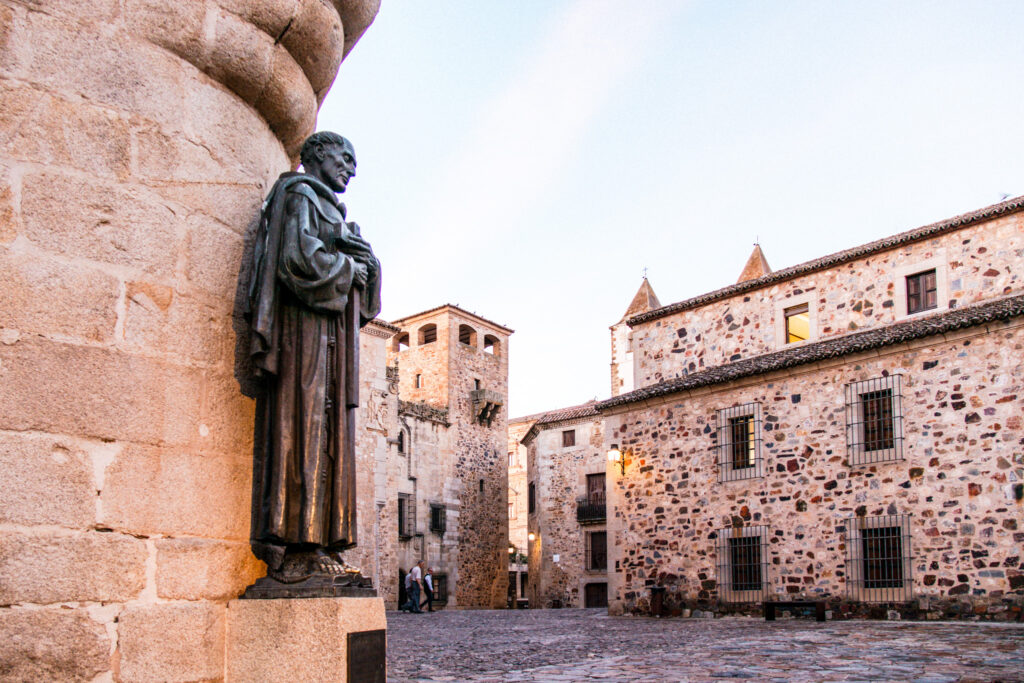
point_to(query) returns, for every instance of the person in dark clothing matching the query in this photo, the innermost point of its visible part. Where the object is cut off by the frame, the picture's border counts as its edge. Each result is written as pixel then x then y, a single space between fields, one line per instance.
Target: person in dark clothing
pixel 428 590
pixel 415 582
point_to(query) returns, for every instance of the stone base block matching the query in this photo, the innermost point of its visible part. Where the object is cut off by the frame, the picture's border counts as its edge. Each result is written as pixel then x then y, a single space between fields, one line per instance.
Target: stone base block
pixel 304 639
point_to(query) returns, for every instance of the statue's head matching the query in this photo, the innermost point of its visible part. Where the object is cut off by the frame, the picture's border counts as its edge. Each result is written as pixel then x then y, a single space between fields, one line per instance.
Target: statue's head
pixel 329 157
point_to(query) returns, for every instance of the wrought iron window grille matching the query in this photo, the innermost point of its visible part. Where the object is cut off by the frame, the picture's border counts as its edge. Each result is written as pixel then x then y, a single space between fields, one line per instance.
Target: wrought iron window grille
pixel 738 448
pixel 743 564
pixel 874 420
pixel 591 509
pixel 406 516
pixel 597 551
pixel 440 582
pixel 879 560
pixel 438 518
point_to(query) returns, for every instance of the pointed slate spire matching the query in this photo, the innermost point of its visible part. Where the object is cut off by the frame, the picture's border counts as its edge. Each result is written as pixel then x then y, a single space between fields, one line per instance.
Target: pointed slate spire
pixel 757 266
pixel 645 300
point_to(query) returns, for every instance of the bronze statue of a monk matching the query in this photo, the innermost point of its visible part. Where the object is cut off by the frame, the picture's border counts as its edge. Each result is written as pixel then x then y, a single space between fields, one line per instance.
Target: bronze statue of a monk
pixel 315 282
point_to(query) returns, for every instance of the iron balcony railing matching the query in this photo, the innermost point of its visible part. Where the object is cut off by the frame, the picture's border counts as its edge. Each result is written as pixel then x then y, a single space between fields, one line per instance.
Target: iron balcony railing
pixel 590 509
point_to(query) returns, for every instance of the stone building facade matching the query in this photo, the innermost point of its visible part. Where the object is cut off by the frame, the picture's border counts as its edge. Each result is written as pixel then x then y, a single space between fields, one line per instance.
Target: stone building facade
pixel 137 140
pixel 449 454
pixel 848 429
pixel 566 504
pixel 517 506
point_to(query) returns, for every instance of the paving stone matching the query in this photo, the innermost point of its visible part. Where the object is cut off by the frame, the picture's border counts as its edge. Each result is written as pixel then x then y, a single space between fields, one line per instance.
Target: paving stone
pixel 587 645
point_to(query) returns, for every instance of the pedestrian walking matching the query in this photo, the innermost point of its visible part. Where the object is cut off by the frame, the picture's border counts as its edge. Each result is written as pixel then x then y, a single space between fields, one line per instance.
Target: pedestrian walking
pixel 428 590
pixel 414 582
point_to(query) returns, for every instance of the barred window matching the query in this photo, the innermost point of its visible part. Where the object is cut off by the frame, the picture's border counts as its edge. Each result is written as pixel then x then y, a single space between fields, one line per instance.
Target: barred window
pixel 739 442
pixel 440 582
pixel 597 550
pixel 878 559
pixel 742 564
pixel 406 515
pixel 438 518
pixel 874 420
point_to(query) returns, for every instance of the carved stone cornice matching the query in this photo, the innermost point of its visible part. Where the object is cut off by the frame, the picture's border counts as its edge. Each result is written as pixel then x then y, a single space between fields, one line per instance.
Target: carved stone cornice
pixel 279 56
pixel 423 411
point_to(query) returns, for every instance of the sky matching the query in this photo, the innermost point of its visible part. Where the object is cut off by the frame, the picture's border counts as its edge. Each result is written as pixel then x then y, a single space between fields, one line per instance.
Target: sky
pixel 527 160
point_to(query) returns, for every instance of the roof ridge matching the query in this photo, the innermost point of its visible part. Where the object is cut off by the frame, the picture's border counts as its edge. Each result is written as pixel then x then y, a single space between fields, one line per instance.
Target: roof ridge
pixel 1002 308
pixel 1009 206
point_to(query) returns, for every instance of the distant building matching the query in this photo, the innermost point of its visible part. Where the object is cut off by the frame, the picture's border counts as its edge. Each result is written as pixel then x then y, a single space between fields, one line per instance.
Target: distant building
pixel 517 508
pixel 445 488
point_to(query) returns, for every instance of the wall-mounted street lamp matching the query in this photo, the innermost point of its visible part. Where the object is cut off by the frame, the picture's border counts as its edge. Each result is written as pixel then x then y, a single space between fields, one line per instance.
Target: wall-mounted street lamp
pixel 531 536
pixel 616 456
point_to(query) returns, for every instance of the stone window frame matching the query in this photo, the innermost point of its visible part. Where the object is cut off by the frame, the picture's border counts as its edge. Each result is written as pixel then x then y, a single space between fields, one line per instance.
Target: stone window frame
pixel 492 345
pixel 856 452
pixel 723 449
pixel 426 334
pixel 781 305
pixel 467 332
pixel 724 565
pixel 856 589
pixel 939 264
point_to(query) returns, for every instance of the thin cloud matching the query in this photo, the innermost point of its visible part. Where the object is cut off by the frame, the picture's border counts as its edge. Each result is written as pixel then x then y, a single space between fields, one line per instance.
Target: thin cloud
pixel 528 132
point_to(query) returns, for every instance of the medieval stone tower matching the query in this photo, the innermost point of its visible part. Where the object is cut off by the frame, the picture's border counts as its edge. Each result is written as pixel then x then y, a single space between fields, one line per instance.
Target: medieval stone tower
pixel 453 370
pixel 137 140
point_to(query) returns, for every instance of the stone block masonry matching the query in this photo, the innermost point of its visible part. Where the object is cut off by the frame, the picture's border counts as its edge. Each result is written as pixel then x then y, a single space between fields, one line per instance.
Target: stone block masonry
pixel 137 140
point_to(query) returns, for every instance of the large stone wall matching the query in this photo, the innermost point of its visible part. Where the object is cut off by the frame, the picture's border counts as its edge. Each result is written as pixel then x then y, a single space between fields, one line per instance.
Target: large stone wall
pixel 972 264
pixel 960 479
pixel 137 140
pixel 557 555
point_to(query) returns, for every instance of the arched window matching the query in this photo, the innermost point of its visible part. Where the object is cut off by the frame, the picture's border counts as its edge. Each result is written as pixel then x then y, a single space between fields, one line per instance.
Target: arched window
pixel 492 345
pixel 427 334
pixel 401 342
pixel 467 335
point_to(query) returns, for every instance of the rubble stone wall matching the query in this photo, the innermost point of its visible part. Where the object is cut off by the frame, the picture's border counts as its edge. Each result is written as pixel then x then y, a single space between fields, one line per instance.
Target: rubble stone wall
pixel 972 264
pixel 481 464
pixel 960 479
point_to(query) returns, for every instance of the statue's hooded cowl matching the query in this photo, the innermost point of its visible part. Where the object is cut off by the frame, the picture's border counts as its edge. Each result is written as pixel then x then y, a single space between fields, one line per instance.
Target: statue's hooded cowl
pixel 305 318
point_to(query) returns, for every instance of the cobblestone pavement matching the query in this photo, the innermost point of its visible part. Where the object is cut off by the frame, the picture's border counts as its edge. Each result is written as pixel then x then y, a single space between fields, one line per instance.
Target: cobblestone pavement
pixel 588 645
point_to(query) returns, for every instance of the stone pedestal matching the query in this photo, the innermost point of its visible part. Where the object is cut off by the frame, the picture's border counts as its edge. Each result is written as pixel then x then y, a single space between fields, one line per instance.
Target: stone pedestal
pixel 299 639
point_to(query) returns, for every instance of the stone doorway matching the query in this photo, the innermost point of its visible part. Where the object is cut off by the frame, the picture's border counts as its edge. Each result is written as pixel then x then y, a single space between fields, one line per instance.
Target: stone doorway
pixel 595 595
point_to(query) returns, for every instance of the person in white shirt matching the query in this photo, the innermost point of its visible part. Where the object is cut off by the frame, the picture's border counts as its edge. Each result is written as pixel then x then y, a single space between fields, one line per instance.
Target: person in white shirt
pixel 414 583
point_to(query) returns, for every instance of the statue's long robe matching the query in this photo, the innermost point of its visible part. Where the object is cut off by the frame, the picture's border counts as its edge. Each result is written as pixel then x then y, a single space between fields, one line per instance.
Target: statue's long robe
pixel 303 345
